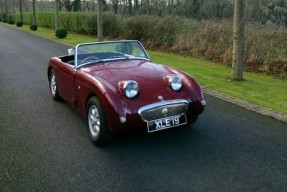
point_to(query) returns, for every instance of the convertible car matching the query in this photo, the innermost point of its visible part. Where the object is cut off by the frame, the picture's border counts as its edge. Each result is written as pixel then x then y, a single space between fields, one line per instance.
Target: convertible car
pixel 116 87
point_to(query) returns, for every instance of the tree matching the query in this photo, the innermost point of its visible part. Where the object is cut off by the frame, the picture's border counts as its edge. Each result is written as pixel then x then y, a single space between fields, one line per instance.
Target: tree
pixel 21 10
pixel 66 4
pixel 136 5
pixel 1 4
pixel 6 9
pixel 76 5
pixel 34 12
pixel 130 7
pixel 57 19
pixel 100 20
pixel 238 40
pixel 277 12
pixel 115 6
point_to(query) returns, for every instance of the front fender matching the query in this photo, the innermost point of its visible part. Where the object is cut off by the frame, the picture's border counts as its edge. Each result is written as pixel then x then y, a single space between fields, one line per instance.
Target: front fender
pixel 87 86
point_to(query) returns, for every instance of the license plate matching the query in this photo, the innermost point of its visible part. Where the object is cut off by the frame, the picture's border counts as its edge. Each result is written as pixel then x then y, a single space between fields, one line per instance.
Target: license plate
pixel 165 123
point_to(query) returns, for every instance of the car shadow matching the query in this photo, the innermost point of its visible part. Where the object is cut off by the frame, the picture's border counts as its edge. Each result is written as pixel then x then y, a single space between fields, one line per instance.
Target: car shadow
pixel 173 139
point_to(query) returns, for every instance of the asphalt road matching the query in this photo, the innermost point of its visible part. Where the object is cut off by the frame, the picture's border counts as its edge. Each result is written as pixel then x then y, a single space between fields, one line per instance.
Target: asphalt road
pixel 44 145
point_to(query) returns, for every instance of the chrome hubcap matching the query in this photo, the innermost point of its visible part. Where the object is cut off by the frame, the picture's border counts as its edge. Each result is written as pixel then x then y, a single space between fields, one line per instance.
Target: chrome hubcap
pixel 53 84
pixel 94 121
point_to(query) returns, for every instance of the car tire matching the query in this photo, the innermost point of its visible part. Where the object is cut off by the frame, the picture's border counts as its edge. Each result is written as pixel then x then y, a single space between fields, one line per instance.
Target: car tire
pixel 53 85
pixel 97 123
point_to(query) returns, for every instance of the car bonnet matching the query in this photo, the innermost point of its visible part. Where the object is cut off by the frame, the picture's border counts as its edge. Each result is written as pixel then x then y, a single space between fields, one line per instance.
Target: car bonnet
pixel 140 71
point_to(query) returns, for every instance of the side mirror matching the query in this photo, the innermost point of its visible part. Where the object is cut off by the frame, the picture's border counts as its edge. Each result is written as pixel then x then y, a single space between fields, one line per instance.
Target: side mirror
pixel 71 51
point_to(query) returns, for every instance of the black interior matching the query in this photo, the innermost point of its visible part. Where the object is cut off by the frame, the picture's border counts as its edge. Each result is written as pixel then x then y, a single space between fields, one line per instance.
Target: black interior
pixel 70 59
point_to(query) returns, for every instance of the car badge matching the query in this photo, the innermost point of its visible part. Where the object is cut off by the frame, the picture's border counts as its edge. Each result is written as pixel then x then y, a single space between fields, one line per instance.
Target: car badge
pixel 160 97
pixel 164 111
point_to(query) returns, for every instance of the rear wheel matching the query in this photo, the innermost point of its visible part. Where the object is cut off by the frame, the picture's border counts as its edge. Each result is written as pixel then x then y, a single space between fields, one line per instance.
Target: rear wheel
pixel 53 85
pixel 97 123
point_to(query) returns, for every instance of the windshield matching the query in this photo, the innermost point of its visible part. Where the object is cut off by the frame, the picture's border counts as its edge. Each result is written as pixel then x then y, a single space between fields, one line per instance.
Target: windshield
pixel 89 53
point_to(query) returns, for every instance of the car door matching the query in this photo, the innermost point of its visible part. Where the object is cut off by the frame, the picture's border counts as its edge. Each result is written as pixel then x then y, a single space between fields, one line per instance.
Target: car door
pixel 65 79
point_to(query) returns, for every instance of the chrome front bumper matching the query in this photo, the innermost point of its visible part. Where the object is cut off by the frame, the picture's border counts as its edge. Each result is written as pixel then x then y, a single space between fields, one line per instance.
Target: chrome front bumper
pixel 163 109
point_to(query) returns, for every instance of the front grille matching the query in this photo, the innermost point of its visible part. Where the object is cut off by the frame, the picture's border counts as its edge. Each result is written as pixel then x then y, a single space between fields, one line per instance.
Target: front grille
pixel 162 111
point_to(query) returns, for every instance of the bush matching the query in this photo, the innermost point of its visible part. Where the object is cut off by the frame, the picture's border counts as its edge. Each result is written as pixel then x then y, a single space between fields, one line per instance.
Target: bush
pixel 5 20
pixel 155 32
pixel 33 27
pixel 207 39
pixel 138 28
pixel 19 24
pixel 11 22
pixel 111 25
pixel 0 20
pixel 61 33
pixel 166 32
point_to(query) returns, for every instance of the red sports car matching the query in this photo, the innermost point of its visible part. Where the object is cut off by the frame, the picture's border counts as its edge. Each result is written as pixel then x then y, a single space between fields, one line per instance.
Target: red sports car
pixel 116 87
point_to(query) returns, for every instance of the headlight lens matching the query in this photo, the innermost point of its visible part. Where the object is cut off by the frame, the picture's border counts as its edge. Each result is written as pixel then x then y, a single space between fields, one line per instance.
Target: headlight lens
pixel 131 89
pixel 175 82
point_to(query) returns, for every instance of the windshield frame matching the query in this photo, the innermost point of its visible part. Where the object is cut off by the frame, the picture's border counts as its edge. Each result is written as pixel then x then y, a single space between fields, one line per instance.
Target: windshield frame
pixel 125 57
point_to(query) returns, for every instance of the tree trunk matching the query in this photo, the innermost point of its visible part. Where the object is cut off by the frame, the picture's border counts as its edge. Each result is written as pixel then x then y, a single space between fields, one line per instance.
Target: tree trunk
pixel 21 10
pixel 34 12
pixel 57 19
pixel 130 7
pixel 1 4
pixel 13 11
pixel 136 6
pixel 149 7
pixel 238 40
pixel 115 6
pixel 6 8
pixel 100 20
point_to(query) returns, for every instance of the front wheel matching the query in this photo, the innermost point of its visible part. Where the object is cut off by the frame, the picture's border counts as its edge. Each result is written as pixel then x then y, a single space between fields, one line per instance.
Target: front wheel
pixel 97 123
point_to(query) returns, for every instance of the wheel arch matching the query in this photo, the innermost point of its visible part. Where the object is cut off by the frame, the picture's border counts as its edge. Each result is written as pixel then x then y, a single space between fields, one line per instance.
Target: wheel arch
pixel 111 102
pixel 89 96
pixel 49 71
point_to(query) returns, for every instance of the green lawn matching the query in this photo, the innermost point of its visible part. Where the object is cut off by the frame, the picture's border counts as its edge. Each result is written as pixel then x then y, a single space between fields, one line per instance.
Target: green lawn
pixel 261 89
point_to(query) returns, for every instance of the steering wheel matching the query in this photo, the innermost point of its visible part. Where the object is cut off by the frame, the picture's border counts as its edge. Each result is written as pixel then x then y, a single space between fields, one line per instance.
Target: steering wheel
pixel 91 58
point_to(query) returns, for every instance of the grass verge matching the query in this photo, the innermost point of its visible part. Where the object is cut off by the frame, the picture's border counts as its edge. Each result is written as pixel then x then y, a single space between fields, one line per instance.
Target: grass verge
pixel 260 89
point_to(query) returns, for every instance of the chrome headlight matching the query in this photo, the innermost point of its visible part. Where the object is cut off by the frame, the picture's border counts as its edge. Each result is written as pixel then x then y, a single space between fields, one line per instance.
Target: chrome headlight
pixel 131 89
pixel 175 82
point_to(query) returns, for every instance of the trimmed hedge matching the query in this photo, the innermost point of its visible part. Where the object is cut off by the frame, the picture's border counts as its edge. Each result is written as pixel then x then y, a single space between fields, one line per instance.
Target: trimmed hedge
pixel 61 33
pixel 33 27
pixel 11 22
pixel 19 24
pixel 265 48
pixel 75 22
pixel 139 28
